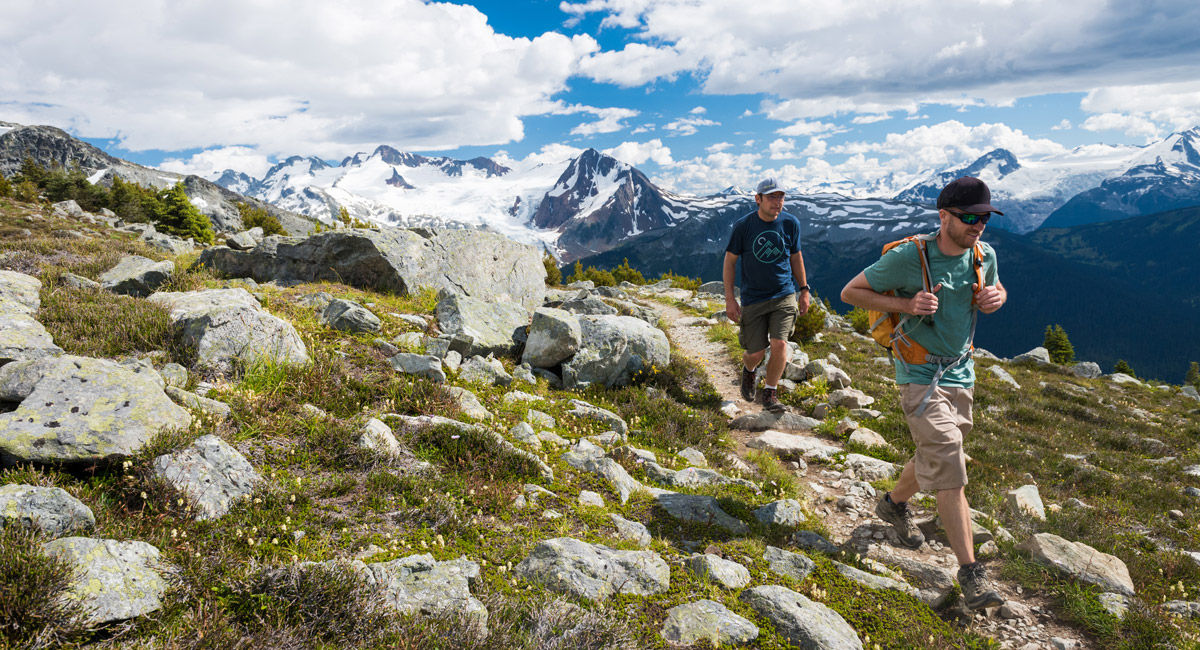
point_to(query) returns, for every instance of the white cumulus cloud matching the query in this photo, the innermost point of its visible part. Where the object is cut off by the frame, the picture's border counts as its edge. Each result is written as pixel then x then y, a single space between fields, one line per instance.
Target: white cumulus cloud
pixel 637 153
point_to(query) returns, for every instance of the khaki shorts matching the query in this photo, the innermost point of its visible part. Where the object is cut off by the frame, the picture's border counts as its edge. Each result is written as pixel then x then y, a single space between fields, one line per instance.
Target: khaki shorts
pixel 772 318
pixel 939 433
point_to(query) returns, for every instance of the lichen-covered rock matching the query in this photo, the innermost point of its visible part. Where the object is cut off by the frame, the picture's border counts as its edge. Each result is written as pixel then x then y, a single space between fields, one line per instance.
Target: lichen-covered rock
pixel 873 581
pixel 633 531
pixel 19 293
pixel 136 276
pixel 114 581
pixel 767 421
pixel 22 337
pixel 1087 370
pixel 469 403
pixel 50 510
pixel 590 458
pixel 870 469
pixel 613 350
pixel 420 584
pixel 583 410
pixel 486 371
pixel 84 410
pixel 708 620
pixel 802 622
pixel 789 446
pixel 349 316
pixel 378 436
pixel 726 573
pixel 211 473
pixel 701 509
pixel 786 563
pixel 226 327
pixel 593 571
pixel 851 398
pixel 195 402
pixel 554 336
pixel 1080 561
pixel 785 512
pixel 421 365
pixel 492 326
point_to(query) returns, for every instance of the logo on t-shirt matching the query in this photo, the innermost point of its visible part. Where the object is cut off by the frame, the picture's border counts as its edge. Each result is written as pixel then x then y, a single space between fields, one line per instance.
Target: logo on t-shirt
pixel 768 247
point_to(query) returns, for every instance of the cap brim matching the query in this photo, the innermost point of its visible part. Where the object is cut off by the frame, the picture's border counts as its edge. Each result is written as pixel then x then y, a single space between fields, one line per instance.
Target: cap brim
pixel 978 208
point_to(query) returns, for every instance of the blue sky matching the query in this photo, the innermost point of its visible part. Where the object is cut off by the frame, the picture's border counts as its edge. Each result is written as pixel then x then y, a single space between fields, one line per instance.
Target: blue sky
pixel 699 94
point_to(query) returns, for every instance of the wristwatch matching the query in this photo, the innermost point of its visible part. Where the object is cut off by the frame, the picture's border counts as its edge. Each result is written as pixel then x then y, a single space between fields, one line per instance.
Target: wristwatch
pixel 804 288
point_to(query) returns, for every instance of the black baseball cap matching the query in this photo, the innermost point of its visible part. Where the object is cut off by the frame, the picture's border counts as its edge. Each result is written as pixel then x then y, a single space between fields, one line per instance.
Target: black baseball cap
pixel 968 194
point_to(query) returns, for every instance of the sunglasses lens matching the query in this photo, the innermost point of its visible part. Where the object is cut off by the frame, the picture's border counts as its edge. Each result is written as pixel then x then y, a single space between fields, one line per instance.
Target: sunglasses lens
pixel 971 219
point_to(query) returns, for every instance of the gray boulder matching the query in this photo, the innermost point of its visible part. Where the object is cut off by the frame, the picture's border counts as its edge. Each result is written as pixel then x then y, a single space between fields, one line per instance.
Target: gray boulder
pixel 242 241
pixel 397 260
pixel 22 337
pixel 810 541
pixel 1087 370
pixel 707 620
pixel 554 336
pixel 700 509
pixel 870 469
pixel 227 327
pixel 802 622
pixel 588 305
pixel 484 371
pixel 421 365
pixel 692 477
pixel 785 512
pixel 76 409
pixel 593 571
pixel 1037 356
pixel 378 436
pixel 79 282
pixel 850 398
pixel 872 581
pixel 788 446
pixel 469 403
pixel 136 276
pixel 494 327
pixel 20 292
pixel 114 581
pixel 786 563
pixel 822 369
pixel 1004 376
pixel 589 458
pixel 1080 561
pixel 726 573
pixel 349 316
pixel 50 510
pixel 613 350
pixel 632 531
pixel 213 475
pixel 418 584
pixel 764 420
pixel 583 410
pixel 1026 502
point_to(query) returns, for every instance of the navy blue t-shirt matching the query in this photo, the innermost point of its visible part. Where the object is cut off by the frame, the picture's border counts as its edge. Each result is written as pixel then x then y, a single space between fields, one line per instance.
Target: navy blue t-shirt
pixel 764 250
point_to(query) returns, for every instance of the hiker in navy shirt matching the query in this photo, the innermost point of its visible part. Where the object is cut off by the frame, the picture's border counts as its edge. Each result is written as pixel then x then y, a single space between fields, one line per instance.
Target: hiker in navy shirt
pixel 774 288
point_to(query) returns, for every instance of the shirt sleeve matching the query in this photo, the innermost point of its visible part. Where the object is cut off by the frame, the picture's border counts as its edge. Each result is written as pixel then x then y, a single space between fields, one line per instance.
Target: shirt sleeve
pixel 735 240
pixel 795 244
pixel 897 270
pixel 991 266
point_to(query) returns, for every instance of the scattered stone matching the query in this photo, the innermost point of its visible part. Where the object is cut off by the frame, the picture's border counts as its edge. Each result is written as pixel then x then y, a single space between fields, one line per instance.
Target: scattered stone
pixel 227 327
pixel 868 438
pixel 210 407
pixel 418 584
pixel 870 469
pixel 136 276
pixel 785 563
pixel 540 419
pixel 210 473
pixel 810 541
pixel 583 410
pixel 485 371
pixel 631 530
pixel 349 316
pixel 421 365
pixel 174 375
pixel 79 282
pixel 590 458
pixel 694 456
pixel 522 432
pixel 872 581
pixel 701 509
pixel 1186 609
pixel 850 398
pixel 1004 377
pixel 834 377
pixel 789 446
pixel 378 436
pixel 593 571
pixel 1086 370
pixel 1122 378
pixel 1080 561
pixel 785 512
pixel 1115 604
pixel 114 581
pixel 1026 502
pixel 589 498
pixel 802 622
pixel 766 421
pixel 1037 356
pixel 50 510
pixel 707 620
pixel 469 403
pixel 613 350
pixel 77 409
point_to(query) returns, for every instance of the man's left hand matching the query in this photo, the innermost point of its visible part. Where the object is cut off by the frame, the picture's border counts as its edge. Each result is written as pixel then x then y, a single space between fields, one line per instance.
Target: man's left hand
pixel 803 302
pixel 988 298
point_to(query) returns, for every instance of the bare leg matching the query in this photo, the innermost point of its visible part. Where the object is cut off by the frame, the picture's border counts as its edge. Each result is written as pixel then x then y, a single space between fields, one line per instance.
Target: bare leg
pixel 779 359
pixel 906 485
pixel 956 519
pixel 752 359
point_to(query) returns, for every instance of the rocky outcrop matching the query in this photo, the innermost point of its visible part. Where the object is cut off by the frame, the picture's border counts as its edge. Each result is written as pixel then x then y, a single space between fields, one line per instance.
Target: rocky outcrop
pixel 483 265
pixel 136 276
pixel 213 475
pixel 114 581
pixel 707 620
pixel 1080 561
pixel 554 336
pixel 50 510
pixel 613 350
pixel 802 622
pixel 349 316
pixel 593 571
pixel 76 409
pixel 22 337
pixel 492 327
pixel 226 327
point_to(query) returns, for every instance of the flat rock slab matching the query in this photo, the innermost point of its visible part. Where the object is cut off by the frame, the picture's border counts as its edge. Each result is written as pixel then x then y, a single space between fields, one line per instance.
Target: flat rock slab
pixel 136 276
pixel 211 473
pixel 50 510
pixel 710 620
pixel 420 584
pixel 593 571
pixel 870 469
pixel 632 531
pixel 726 573
pixel 765 420
pixel 81 410
pixel 701 509
pixel 487 266
pixel 804 623
pixel 785 512
pixel 786 563
pixel 873 581
pixel 789 446
pixel 22 338
pixel 1081 562
pixel 227 327
pixel 585 411
pixel 114 581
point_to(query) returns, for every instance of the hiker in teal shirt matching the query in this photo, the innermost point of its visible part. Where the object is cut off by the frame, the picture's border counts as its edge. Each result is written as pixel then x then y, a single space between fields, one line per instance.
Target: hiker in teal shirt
pixel 938 311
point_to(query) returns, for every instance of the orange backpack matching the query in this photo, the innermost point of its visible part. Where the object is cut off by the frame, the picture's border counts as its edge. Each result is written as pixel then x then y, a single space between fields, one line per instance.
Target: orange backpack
pixel 887 328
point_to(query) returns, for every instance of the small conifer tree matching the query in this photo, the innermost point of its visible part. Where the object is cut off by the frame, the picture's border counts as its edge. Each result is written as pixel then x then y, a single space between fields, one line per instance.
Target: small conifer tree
pixel 576 273
pixel 1123 367
pixel 625 273
pixel 5 186
pixel 1193 375
pixel 553 274
pixel 1056 343
pixel 253 217
pixel 181 218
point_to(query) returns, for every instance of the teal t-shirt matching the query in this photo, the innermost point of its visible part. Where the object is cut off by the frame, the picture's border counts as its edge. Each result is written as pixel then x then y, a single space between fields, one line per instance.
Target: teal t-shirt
pixel 947 332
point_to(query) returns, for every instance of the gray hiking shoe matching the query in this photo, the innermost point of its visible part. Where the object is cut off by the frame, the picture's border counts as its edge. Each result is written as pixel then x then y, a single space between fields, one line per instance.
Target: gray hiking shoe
pixel 978 592
pixel 770 400
pixel 901 519
pixel 747 384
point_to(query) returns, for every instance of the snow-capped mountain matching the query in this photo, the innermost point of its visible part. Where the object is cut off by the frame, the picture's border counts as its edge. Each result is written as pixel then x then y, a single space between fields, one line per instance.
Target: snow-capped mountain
pixel 1032 190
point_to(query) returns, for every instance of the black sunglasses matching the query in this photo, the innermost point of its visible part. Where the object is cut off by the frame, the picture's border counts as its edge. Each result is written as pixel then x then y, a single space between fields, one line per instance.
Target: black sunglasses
pixel 971 218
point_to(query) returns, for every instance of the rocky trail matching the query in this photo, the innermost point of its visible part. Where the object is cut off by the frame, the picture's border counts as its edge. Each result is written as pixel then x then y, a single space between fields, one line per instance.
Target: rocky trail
pixel 846 506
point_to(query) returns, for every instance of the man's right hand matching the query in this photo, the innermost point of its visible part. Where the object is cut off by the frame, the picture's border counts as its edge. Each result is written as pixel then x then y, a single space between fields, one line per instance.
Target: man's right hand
pixel 733 310
pixel 924 303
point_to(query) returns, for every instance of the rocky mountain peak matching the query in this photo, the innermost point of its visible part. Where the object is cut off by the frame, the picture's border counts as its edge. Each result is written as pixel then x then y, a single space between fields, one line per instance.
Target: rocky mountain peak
pixel 49 146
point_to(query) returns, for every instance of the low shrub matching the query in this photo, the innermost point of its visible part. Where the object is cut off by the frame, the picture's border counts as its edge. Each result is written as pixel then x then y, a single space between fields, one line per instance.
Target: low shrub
pixel 36 610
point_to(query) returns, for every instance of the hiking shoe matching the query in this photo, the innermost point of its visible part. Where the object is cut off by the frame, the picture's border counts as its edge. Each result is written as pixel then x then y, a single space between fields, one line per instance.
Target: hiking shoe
pixel 978 592
pixel 748 381
pixel 771 401
pixel 901 519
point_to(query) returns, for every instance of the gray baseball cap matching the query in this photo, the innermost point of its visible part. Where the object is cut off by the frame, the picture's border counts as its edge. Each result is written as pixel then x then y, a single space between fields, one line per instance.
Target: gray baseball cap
pixel 768 186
